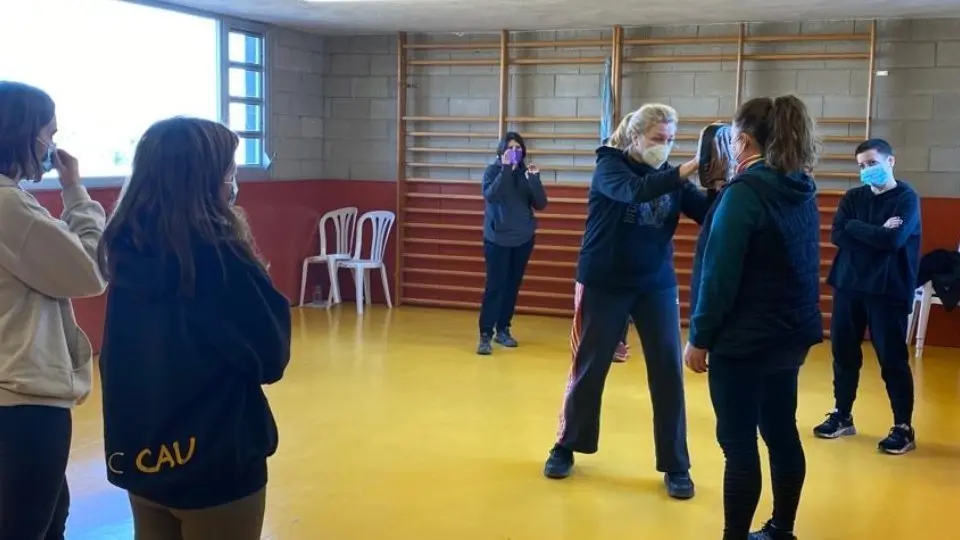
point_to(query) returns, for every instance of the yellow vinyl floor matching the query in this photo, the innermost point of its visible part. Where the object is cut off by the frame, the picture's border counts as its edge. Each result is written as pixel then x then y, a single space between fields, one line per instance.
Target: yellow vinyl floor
pixel 391 428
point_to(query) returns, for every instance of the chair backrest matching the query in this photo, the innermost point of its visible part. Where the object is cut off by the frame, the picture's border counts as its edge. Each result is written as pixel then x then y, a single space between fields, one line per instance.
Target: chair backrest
pixel 381 221
pixel 344 224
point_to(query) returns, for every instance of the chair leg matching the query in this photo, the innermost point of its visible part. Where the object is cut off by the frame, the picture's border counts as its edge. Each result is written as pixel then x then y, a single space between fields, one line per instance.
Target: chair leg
pixel 366 286
pixel 912 322
pixel 333 297
pixel 303 281
pixel 924 318
pixel 386 286
pixel 358 283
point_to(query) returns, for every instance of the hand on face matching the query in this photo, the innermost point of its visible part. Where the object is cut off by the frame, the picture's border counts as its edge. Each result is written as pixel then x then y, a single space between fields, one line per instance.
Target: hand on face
pixel 67 168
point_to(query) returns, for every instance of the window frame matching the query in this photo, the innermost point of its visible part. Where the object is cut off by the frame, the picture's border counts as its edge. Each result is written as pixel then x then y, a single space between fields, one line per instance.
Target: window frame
pixel 225 25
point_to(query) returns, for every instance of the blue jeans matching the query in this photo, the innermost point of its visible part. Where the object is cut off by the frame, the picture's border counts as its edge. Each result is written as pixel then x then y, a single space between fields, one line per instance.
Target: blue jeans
pixel 505 268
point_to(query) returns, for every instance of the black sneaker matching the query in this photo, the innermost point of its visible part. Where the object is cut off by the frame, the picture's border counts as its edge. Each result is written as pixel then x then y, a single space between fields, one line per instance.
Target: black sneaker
pixel 901 440
pixel 679 485
pixel 485 347
pixel 559 464
pixel 504 338
pixel 768 532
pixel 835 426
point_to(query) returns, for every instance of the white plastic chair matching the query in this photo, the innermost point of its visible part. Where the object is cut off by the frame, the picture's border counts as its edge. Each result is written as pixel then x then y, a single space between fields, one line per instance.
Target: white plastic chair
pixel 924 297
pixel 344 224
pixel 381 222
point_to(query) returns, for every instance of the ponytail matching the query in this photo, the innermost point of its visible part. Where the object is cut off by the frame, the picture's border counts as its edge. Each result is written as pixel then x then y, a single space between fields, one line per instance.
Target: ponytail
pixel 793 144
pixel 784 130
pixel 621 138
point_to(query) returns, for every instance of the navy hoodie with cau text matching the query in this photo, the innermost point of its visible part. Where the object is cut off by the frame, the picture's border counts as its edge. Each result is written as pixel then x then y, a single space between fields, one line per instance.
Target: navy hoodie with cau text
pixel 186 422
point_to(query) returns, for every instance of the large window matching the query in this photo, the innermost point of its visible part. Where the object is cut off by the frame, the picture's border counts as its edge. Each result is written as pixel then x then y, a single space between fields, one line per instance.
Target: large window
pixel 114 68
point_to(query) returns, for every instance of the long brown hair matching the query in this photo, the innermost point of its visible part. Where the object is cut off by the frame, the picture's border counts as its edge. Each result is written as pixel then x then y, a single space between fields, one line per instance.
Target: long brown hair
pixel 174 199
pixel 24 111
pixel 784 131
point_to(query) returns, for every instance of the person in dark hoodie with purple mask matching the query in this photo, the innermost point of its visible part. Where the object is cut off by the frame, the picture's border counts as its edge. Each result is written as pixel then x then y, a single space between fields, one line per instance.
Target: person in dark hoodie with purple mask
pixel 511 192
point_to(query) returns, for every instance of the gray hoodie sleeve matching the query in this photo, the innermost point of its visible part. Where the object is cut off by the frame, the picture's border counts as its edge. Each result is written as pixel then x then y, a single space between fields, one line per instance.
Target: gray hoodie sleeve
pixel 538 195
pixel 56 257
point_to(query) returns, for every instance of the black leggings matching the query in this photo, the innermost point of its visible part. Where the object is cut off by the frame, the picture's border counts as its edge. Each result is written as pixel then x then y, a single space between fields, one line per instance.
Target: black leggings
pixel 746 395
pixel 34 447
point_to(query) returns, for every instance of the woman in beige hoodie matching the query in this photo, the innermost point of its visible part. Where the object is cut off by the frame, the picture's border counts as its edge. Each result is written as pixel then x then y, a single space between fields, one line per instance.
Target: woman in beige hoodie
pixel 45 359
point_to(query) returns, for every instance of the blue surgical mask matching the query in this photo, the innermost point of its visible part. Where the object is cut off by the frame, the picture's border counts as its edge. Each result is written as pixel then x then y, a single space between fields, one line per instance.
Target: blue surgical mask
pixel 46 164
pixel 875 175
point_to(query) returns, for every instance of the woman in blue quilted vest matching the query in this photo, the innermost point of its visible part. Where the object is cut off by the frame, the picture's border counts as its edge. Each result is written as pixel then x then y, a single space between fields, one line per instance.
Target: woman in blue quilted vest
pixel 755 304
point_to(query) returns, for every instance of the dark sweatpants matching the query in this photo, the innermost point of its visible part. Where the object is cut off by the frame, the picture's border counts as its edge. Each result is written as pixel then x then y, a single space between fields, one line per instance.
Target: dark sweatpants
pixel 887 322
pixel 756 393
pixel 657 318
pixel 34 447
pixel 505 268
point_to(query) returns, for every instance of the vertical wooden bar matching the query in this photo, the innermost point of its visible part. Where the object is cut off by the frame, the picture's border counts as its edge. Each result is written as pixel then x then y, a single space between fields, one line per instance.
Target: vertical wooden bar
pixel 401 158
pixel 871 74
pixel 504 82
pixel 616 82
pixel 741 39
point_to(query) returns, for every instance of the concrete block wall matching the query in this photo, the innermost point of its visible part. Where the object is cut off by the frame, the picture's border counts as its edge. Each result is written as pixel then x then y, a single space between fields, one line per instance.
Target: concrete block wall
pixel 917 106
pixel 298 63
pixel 360 108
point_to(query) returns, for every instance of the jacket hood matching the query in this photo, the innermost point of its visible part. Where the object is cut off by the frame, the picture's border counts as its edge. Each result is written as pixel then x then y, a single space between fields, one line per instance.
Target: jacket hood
pixel 796 187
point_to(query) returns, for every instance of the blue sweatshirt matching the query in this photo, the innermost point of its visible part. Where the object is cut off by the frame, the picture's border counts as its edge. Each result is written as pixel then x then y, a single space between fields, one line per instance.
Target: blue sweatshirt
pixel 872 260
pixel 633 212
pixel 756 275
pixel 510 199
pixel 186 422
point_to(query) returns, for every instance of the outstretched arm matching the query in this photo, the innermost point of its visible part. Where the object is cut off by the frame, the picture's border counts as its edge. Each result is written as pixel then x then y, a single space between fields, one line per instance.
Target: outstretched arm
pixel 614 179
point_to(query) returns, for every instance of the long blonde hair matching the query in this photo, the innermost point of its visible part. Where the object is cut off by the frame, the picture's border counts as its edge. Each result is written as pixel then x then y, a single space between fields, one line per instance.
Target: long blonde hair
pixel 639 121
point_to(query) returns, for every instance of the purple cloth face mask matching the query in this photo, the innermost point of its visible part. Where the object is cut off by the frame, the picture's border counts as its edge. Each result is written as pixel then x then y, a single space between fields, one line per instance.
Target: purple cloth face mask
pixel 515 155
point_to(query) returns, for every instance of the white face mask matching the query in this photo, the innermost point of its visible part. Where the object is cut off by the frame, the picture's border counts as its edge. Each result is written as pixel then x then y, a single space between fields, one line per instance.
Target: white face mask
pixel 656 156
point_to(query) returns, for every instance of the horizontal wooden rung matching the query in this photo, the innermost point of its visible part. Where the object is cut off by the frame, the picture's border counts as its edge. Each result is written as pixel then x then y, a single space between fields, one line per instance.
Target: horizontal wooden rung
pixel 791 57
pixel 717 40
pixel 451 135
pixel 668 59
pixel 440 150
pixel 467 62
pixel 557 61
pixel 571 136
pixel 479 228
pixel 479 45
pixel 554 119
pixel 479 244
pixel 481 275
pixel 467 258
pixel 450 118
pixel 478 197
pixel 564 43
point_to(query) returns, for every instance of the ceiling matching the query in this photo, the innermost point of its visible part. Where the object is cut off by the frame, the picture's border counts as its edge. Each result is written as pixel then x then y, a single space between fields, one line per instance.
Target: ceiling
pixel 368 16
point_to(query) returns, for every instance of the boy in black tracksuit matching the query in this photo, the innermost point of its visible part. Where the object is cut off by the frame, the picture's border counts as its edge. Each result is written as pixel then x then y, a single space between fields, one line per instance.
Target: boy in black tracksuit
pixel 874 274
